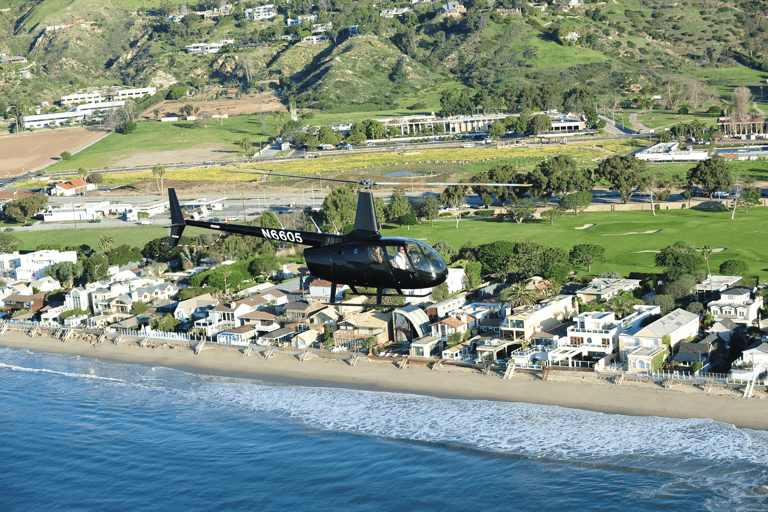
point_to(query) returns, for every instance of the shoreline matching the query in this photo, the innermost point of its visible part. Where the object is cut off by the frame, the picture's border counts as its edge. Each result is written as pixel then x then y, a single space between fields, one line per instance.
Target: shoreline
pixel 576 391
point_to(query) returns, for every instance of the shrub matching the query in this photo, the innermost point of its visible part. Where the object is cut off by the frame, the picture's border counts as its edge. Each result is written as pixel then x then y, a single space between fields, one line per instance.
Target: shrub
pixel 733 268
pixel 683 111
pixel 66 155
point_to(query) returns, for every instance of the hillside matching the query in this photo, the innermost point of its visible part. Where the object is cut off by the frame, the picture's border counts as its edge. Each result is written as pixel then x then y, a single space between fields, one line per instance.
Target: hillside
pixel 693 52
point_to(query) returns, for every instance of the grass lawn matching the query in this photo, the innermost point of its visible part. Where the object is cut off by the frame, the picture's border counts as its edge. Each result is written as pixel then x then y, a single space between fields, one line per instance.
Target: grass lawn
pixel 89 234
pixel 743 238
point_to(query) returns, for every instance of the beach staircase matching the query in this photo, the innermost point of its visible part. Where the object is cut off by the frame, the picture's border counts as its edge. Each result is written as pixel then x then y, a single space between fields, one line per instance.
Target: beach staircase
pixel 545 370
pixel 437 364
pixel 66 334
pixel 144 342
pixel 247 350
pixel 3 327
pixel 619 380
pixel 403 363
pixel 200 347
pixel 486 369
pixel 749 389
pixel 510 371
pixel 708 387
pixel 34 330
pixel 307 355
pixel 118 339
pixel 353 362
pixel 270 353
pixel 102 338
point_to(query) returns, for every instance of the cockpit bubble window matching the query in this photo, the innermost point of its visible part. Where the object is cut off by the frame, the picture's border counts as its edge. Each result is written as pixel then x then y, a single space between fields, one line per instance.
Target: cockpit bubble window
pixel 424 258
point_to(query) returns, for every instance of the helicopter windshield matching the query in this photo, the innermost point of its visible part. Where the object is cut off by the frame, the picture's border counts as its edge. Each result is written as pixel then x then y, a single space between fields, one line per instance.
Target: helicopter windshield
pixel 414 256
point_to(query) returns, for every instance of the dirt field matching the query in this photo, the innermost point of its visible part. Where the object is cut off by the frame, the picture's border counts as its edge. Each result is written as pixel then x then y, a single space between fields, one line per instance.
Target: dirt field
pixel 250 104
pixel 24 152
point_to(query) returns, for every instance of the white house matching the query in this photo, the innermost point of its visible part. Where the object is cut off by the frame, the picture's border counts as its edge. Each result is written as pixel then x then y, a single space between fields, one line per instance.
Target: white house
pixel 595 334
pixel 320 289
pixel 108 95
pixel 261 12
pixel 447 327
pixel 605 288
pixel 521 322
pixel 71 188
pixel 713 286
pixel 80 297
pixel 753 363
pixel 736 304
pixel 639 346
pixel 31 266
pixel 76 212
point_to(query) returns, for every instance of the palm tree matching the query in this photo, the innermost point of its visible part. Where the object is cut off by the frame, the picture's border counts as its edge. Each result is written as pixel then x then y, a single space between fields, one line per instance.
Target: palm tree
pixel 245 145
pixel 706 251
pixel 106 243
pixel 82 173
pixel 159 172
pixel 520 295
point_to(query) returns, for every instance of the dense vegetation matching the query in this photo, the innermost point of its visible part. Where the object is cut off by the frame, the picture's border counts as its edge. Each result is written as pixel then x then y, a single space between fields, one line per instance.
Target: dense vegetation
pixel 493 58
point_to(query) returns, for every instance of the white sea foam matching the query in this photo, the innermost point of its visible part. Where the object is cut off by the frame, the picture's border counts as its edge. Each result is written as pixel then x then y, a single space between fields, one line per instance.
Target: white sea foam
pixel 505 427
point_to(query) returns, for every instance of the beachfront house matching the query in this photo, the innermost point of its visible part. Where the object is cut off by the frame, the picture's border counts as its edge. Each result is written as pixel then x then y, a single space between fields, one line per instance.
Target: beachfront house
pixel 605 289
pixel 713 286
pixel 521 322
pixel 447 327
pixel 426 347
pixel 594 336
pixel 187 311
pixel 354 329
pixel 460 352
pixel 753 363
pixel 639 346
pixel 736 304
pixel 32 265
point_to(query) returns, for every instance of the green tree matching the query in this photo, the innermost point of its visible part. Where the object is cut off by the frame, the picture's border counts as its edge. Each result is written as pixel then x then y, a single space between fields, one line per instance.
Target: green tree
pixel 374 129
pixel 339 209
pixel 139 307
pixel 556 177
pixel 623 173
pixel 440 292
pixel 733 268
pixel 521 209
pixel 245 145
pixel 711 175
pixel 398 206
pixel 678 259
pixel 96 178
pixel 586 254
pixel 538 124
pixel 665 302
pixel 520 295
pixel 552 214
pixel 9 243
pixel 576 201
pixel 473 275
pixel 158 172
pixel 164 323
pixel 66 155
pixel 497 129
pixel 430 210
pixel 326 135
pixel 747 199
pixel 106 243
pixel 496 257
pixel 23 209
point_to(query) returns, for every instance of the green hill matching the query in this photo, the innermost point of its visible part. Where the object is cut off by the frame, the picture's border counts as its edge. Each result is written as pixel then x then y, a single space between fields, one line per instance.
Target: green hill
pixel 691 53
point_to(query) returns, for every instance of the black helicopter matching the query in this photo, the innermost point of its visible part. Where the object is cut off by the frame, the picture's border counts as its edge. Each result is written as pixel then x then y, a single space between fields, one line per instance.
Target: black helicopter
pixel 362 258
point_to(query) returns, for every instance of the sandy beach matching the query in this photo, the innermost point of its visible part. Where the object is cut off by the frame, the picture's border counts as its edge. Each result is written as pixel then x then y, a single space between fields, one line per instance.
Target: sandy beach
pixel 574 390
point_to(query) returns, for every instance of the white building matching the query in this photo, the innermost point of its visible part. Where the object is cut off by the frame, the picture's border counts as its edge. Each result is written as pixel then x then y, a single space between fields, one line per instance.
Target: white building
pixel 75 212
pixel 72 188
pixel 294 22
pixel 204 48
pixel 107 95
pixel 605 288
pixel 132 213
pixel 753 363
pixel 31 266
pixel 595 334
pixel 640 345
pixel 671 152
pixel 736 304
pixel 262 12
pixel 521 322
pixel 77 114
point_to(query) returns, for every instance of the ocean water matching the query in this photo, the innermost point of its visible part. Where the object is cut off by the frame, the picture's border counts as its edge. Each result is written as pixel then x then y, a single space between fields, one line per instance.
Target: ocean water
pixel 84 434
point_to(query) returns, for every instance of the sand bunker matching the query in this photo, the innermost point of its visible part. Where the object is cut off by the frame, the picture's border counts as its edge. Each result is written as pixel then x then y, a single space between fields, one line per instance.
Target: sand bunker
pixel 585 226
pixel 633 233
pixel 650 250
pixel 720 249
